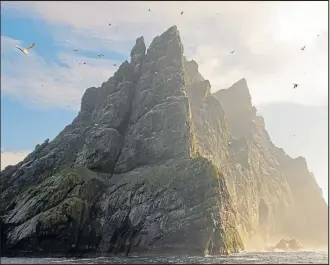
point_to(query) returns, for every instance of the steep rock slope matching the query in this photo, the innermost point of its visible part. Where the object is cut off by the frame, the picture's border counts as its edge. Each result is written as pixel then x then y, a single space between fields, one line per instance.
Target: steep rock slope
pixel 309 217
pixel 274 196
pixel 125 175
pixel 291 203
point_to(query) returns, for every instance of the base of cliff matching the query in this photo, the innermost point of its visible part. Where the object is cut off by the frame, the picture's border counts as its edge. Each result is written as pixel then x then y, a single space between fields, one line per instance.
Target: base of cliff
pixel 176 207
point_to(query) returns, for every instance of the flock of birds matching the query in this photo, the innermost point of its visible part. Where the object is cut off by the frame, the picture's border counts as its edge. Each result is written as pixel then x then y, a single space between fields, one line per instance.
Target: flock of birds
pixel 27 49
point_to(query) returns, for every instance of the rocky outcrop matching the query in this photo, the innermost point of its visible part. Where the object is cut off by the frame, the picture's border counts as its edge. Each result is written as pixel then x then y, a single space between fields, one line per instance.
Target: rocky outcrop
pixel 289 201
pixel 287 245
pixel 156 163
pixel 125 176
pixel 309 216
pixel 266 185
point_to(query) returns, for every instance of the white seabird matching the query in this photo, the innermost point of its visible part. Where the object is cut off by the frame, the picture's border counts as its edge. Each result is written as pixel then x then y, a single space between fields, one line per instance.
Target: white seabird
pixel 26 50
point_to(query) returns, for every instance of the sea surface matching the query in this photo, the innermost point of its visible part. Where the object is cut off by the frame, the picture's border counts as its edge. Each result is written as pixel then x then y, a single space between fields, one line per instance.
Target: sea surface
pixel 301 257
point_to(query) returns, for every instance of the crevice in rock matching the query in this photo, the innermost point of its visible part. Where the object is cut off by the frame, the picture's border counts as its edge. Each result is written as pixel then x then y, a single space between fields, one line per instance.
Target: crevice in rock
pixel 263 212
pixel 123 127
pixel 122 238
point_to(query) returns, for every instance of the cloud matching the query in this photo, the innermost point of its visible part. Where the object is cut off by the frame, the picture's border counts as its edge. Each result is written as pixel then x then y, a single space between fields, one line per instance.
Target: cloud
pixel 46 83
pixel 12 158
pixel 267 37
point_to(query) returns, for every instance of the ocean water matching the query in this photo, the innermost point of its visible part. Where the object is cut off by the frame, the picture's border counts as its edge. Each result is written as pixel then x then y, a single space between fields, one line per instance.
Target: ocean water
pixel 301 257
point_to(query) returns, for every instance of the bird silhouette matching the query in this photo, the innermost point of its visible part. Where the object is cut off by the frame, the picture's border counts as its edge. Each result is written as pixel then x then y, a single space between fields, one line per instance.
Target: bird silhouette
pixel 100 55
pixel 26 50
pixel 149 9
pixel 232 51
pixel 109 24
pixel 114 64
pixel 295 85
pixel 303 48
pixel 75 50
pixel 181 13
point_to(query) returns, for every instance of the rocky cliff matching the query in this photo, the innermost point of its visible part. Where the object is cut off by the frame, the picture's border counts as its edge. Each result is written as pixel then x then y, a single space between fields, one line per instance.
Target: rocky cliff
pixel 276 196
pixel 125 176
pixel 156 163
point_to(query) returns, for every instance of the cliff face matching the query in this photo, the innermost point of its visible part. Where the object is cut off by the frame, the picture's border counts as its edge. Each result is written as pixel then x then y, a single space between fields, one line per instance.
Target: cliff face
pixel 156 163
pixel 276 196
pixel 290 202
pixel 125 176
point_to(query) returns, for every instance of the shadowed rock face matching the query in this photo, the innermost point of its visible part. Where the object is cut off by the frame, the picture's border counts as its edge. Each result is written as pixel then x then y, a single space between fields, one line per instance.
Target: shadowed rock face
pixel 124 176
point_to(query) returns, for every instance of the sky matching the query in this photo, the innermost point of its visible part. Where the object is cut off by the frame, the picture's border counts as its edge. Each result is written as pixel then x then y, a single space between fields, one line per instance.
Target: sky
pixel 41 93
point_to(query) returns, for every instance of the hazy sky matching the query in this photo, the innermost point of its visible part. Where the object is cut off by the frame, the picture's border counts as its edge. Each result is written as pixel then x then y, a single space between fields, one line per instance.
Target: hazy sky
pixel 41 93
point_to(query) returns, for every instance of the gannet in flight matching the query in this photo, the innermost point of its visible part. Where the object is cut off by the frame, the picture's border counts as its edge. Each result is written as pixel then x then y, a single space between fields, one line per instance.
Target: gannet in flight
pixel 26 50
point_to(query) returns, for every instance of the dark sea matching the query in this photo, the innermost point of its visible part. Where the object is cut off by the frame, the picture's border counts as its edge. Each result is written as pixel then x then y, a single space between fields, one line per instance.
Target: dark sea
pixel 301 257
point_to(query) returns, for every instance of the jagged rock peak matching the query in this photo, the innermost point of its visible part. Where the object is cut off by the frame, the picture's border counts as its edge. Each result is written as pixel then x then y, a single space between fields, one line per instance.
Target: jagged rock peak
pixel 139 46
pixel 192 74
pixel 191 65
pixel 301 161
pixel 238 93
pixel 168 41
pixel 171 31
pixel 138 51
pixel 242 82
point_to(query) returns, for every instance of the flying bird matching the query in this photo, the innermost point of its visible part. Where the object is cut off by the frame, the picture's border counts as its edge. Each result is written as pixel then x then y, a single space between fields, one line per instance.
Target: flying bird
pixel 68 106
pixel 303 48
pixel 100 55
pixel 114 64
pixel 149 9
pixel 232 51
pixel 181 13
pixel 26 50
pixel 295 85
pixel 109 24
pixel 229 143
pixel 75 50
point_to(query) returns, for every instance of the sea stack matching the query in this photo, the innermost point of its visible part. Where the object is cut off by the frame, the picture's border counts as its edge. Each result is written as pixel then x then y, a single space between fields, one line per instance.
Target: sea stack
pixel 146 167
